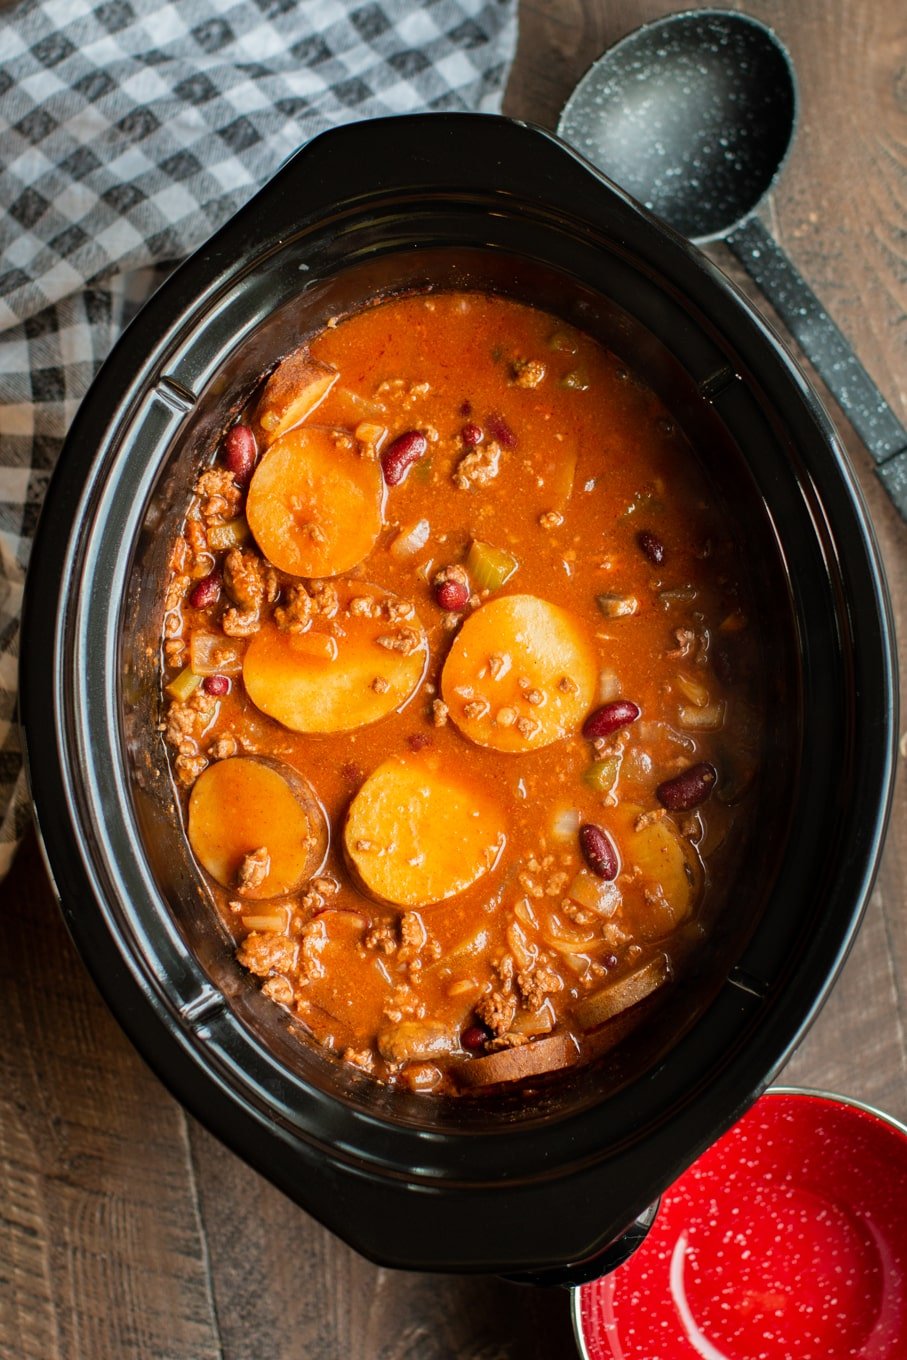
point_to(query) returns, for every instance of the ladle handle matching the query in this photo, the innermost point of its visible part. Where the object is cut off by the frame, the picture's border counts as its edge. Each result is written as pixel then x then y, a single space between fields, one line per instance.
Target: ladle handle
pixel 828 352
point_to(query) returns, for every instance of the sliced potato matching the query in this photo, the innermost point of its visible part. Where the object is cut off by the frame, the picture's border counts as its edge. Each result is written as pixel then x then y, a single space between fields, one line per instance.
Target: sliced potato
pixel 670 868
pixel 297 386
pixel 343 1002
pixel 415 834
pixel 618 996
pixel 521 674
pixel 256 827
pixel 415 1040
pixel 531 1059
pixel 315 503
pixel 366 666
pixel 344 407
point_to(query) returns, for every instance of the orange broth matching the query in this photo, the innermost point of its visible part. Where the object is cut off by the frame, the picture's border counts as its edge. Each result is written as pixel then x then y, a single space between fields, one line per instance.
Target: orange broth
pixel 602 504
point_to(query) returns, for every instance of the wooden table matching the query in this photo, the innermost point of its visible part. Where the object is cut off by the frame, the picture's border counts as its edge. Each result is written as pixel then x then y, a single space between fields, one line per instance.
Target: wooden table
pixel 127 1231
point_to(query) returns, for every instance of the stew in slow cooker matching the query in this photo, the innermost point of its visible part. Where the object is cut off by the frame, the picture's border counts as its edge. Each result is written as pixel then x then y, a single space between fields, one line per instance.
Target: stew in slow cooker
pixel 461 693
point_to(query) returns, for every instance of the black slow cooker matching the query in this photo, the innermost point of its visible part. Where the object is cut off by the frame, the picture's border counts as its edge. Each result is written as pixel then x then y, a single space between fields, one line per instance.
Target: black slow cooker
pixel 542 1182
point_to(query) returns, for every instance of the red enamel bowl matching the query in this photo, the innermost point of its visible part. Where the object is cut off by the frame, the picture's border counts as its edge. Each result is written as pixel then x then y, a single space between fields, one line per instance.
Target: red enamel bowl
pixel 786 1240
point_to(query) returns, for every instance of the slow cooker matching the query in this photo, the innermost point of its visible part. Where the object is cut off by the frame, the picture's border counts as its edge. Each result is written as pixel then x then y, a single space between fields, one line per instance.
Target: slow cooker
pixel 557 1182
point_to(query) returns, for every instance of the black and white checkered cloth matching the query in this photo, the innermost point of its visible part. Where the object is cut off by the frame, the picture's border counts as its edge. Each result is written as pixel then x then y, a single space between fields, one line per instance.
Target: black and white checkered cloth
pixel 129 131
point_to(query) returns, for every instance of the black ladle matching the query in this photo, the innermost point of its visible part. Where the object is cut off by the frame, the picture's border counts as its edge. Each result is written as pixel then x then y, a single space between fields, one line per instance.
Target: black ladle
pixel 694 115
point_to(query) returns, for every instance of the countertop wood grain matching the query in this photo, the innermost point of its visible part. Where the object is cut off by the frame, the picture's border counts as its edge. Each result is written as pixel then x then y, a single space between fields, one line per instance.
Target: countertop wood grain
pixel 126 1231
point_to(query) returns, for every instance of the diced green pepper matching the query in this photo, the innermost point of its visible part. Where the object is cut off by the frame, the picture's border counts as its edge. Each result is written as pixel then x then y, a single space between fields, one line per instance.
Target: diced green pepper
pixel 228 535
pixel 183 684
pixel 489 567
pixel 601 775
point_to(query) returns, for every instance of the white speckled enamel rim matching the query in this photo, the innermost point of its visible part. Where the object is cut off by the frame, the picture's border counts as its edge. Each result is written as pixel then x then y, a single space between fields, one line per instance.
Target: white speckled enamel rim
pixel 772 1091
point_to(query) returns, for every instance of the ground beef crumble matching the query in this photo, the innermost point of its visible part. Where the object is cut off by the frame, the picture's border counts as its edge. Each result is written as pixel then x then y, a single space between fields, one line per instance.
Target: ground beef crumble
pixel 497 1012
pixel 266 953
pixel 479 467
pixel 254 869
pixel 218 496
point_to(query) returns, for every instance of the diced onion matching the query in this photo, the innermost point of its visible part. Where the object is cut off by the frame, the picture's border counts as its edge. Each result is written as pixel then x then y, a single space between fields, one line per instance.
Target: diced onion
pixel 589 891
pixel 566 941
pixel 275 921
pixel 524 913
pixel 706 719
pixel 694 690
pixel 565 824
pixel 523 952
pixel 214 654
pixel 564 946
pixel 464 985
pixel 411 539
pixel 608 686
pixel 532 1023
pixel 656 731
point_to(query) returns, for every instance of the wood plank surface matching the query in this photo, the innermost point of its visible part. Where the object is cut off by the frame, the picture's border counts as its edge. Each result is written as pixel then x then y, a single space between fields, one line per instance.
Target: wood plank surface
pixel 126 1230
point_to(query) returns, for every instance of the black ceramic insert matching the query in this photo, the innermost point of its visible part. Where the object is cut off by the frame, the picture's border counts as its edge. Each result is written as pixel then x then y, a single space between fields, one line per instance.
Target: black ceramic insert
pixel 541 1183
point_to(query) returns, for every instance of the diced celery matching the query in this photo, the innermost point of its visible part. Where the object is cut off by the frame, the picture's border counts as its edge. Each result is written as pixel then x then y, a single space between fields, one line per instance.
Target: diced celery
pixel 228 535
pixel 182 686
pixel 617 606
pixel 489 567
pixel 602 774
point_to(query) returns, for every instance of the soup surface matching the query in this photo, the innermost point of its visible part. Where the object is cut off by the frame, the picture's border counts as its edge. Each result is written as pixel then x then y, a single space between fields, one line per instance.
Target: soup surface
pixel 461 692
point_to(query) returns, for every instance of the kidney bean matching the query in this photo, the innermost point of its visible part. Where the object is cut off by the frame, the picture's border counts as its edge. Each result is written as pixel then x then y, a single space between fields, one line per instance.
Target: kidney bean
pixel 399 456
pixel 474 1038
pixel 472 434
pixel 653 547
pixel 206 591
pixel 607 719
pixel 216 684
pixel 240 453
pixel 452 596
pixel 598 851
pixel 498 428
pixel 689 789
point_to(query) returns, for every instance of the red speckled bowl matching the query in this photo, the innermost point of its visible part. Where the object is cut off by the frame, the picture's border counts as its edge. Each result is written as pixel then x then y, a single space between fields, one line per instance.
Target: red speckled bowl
pixel 786 1240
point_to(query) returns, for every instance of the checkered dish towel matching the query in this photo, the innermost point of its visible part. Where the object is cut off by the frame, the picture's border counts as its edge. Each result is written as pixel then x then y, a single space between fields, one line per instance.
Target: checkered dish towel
pixel 129 131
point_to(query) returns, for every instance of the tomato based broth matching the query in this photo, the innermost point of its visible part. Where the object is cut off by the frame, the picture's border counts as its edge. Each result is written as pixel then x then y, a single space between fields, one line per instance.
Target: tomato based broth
pixel 457 584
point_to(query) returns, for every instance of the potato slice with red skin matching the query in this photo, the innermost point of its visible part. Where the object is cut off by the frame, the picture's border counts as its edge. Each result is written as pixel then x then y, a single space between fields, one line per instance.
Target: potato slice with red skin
pixel 622 994
pixel 294 390
pixel 532 1059
pixel 416 834
pixel 353 679
pixel 315 502
pixel 521 674
pixel 249 803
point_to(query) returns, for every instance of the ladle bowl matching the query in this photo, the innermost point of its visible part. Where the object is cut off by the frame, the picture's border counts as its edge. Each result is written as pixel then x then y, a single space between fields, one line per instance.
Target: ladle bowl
pixel 694 115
